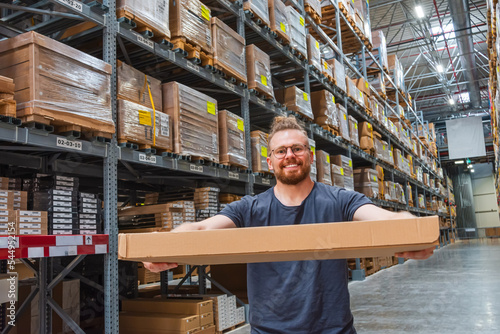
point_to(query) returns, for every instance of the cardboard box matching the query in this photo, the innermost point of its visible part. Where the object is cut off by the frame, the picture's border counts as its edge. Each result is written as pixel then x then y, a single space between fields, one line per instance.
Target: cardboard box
pixel 67 296
pixel 259 151
pixel 168 306
pixel 141 322
pixel 343 122
pixel 229 50
pixel 259 8
pixel 353 130
pixel 298 30
pixel 279 20
pixel 324 108
pixel 57 82
pixel 323 167
pixel 194 118
pixel 153 14
pixel 338 71
pixel 259 71
pixel 313 53
pixel 296 100
pixel 289 243
pixel 132 85
pixel 232 149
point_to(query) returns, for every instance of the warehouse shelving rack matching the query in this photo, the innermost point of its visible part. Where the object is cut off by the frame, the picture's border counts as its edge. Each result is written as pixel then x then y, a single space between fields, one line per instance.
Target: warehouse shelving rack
pixel 115 163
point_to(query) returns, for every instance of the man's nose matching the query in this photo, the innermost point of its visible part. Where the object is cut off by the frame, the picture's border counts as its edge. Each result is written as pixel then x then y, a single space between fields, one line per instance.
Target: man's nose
pixel 289 149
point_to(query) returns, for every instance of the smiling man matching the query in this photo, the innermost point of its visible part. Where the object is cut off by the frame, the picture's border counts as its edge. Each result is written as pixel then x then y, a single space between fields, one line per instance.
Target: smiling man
pixel 296 296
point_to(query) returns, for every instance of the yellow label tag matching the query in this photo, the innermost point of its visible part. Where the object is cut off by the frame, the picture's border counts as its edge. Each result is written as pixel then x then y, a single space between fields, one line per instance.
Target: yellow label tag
pixel 366 84
pixel 325 65
pixel 211 108
pixel 341 171
pixel 205 13
pixel 241 125
pixel 333 98
pixel 283 27
pixel 313 150
pixel 263 79
pixel 394 186
pixel 360 93
pixel 301 21
pixel 263 151
pixel 376 105
pixel 369 126
pixel 383 147
pixel 390 153
pixel 355 126
pixel 375 179
pixel 350 163
pixel 317 45
pixel 145 117
pixel 306 98
pixel 328 158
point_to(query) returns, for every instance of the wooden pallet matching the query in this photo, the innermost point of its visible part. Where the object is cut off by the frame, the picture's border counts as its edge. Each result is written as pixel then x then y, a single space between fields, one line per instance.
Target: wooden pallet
pixel 232 328
pixel 233 165
pixel 7 107
pixel 141 146
pixel 260 21
pixel 193 52
pixel 259 91
pixel 230 74
pixel 312 13
pixel 334 131
pixel 298 53
pixel 370 151
pixel 142 27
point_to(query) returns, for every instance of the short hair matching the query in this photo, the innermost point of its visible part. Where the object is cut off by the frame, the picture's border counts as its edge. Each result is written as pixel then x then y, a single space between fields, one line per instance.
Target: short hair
pixel 282 123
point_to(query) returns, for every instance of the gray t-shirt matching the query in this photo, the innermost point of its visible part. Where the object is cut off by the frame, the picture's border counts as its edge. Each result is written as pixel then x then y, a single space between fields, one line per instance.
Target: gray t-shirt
pixel 298 296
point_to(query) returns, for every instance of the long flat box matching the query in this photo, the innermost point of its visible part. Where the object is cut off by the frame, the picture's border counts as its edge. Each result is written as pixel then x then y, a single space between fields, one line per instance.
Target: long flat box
pixel 282 243
pixel 171 306
pixel 155 321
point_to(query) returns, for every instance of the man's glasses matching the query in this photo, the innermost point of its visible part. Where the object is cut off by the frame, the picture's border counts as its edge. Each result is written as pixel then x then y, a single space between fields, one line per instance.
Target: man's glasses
pixel 297 149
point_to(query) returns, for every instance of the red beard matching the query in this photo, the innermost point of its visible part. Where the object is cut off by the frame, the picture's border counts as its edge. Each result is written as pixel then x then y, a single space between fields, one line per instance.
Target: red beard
pixel 292 177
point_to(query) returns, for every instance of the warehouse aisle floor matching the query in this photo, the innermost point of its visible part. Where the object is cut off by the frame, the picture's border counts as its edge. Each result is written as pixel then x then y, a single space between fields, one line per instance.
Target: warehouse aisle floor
pixel 455 291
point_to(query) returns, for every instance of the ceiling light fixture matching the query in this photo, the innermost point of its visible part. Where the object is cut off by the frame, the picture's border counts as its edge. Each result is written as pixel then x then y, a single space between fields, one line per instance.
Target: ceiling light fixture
pixel 451 101
pixel 439 68
pixel 472 170
pixel 459 162
pixel 419 11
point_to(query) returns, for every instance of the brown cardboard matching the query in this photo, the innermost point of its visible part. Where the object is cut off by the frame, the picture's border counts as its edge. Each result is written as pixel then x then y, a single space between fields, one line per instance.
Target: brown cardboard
pixel 132 85
pixel 279 21
pixel 167 306
pixel 232 149
pixel 313 52
pixel 343 122
pixel 324 108
pixel 296 100
pixel 366 143
pixel 338 71
pixel 259 70
pixel 353 130
pixel 323 167
pixel 259 151
pixel 141 322
pixel 282 243
pixel 207 319
pixel 259 9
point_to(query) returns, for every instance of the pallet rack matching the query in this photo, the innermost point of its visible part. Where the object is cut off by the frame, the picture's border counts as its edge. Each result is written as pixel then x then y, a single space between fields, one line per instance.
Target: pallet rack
pixel 113 163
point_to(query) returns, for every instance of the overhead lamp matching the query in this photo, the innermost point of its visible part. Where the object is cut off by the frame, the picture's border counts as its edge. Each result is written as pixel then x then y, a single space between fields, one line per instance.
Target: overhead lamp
pixel 439 68
pixel 459 162
pixel 469 166
pixel 420 12
pixel 451 101
pixel 472 170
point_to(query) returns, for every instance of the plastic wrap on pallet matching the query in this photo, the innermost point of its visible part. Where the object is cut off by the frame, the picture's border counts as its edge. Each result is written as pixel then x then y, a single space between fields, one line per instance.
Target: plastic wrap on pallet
pixel 353 130
pixel 297 30
pixel 324 108
pixel 138 124
pixel 153 13
pixel 400 111
pixel 259 151
pixel 279 20
pixel 132 85
pixel 296 100
pixel 232 139
pixel 348 183
pixel 338 74
pixel 229 49
pixel 368 189
pixel 380 47
pixel 365 175
pixel 195 119
pixel 400 193
pixel 337 175
pixel 259 8
pixel 379 85
pixel 64 84
pixel 315 5
pixel 323 167
pixel 314 169
pixel 343 122
pixel 365 129
pixel 191 19
pixel 313 53
pixel 259 70
pixel 379 149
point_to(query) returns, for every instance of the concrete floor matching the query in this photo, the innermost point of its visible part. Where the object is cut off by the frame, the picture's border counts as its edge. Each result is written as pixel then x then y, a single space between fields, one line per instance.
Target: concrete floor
pixel 457 291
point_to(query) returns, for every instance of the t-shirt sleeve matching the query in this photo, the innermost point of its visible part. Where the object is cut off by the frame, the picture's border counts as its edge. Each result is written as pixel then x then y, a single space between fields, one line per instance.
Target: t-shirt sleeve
pixel 350 201
pixel 238 211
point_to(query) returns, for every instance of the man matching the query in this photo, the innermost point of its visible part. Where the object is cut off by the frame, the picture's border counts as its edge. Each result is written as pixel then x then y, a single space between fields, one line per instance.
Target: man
pixel 296 296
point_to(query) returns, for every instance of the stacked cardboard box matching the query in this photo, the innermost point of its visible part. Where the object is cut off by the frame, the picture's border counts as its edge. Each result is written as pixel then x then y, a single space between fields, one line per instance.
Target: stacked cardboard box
pixel 194 116
pixel 346 164
pixel 89 214
pixel 297 31
pixel 144 276
pixel 323 167
pixel 396 72
pixel 153 14
pixel 134 86
pixel 338 72
pixel 343 122
pixel 225 199
pixel 364 88
pixel 410 194
pixel 353 130
pixel 314 169
pixel 380 47
pixel 259 151
pixel 366 182
pixel 324 108
pixel 337 176
pixel 7 222
pixel 382 150
pixel 160 216
pixel 206 202
pixel 259 9
pixel 380 180
pixel 232 139
pixel 15 183
pixel 366 136
pixel 279 20
pixel 13 200
pixel 313 53
pixel 421 201
pixel 31 222
pixel 4 183
pixel 379 85
pixel 296 100
pixel 225 312
pixel 259 71
pixel 354 93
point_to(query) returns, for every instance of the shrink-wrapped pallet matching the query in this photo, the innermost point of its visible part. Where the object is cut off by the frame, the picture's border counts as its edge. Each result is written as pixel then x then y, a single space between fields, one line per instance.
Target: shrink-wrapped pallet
pixel 337 175
pixel 138 124
pixel 152 14
pixel 380 47
pixel 190 19
pixel 296 100
pixel 314 169
pixel 323 167
pixel 229 50
pixel 56 83
pixel 259 8
pixel 353 130
pixel 232 149
pixel 297 31
pixel 279 20
pixel 313 53
pixel 315 5
pixel 194 116
pixel 132 85
pixel 259 71
pixel 338 74
pixel 324 108
pixel 343 122
pixel 259 151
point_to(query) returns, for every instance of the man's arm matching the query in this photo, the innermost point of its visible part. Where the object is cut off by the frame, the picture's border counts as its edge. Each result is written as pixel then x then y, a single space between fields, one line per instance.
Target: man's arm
pixel 372 212
pixel 212 223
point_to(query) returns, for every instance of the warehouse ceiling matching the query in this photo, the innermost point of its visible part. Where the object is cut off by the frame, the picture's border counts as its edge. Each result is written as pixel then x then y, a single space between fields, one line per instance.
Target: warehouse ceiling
pixel 443 50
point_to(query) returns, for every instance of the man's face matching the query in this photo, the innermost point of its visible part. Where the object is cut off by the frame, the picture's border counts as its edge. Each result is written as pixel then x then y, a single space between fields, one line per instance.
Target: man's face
pixel 290 169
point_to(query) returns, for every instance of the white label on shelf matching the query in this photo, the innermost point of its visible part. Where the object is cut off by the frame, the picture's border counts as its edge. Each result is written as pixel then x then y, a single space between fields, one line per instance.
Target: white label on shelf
pixel 101 249
pixel 470 230
pixel 194 168
pixel 88 240
pixel 63 251
pixel 147 158
pixel 35 252
pixel 76 240
pixel 232 175
pixel 266 181
pixel 145 41
pixel 73 4
pixel 66 143
pixel 230 86
pixel 192 66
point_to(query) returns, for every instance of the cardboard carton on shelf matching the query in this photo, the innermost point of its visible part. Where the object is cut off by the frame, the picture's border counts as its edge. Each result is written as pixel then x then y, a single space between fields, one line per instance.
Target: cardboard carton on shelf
pixel 259 71
pixel 343 122
pixel 324 108
pixel 296 100
pixel 279 20
pixel 292 242
pixel 152 15
pixel 313 53
pixel 353 130
pixel 259 9
pixel 323 167
pixel 232 139
pixel 259 151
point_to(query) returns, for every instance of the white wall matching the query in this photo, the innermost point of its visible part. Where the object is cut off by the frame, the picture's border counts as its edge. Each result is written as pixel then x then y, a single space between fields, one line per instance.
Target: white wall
pixel 485 199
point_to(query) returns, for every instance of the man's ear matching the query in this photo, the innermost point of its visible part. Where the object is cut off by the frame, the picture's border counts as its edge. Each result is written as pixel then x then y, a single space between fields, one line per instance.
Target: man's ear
pixel 268 159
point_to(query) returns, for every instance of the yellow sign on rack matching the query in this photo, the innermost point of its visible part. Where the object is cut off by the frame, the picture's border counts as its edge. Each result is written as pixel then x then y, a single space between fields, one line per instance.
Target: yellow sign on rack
pixel 263 79
pixel 211 108
pixel 241 125
pixel 325 65
pixel 345 117
pixel 145 117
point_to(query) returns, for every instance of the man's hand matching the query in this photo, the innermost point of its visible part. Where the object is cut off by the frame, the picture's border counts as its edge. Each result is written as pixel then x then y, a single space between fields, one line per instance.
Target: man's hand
pixel 417 255
pixel 157 267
